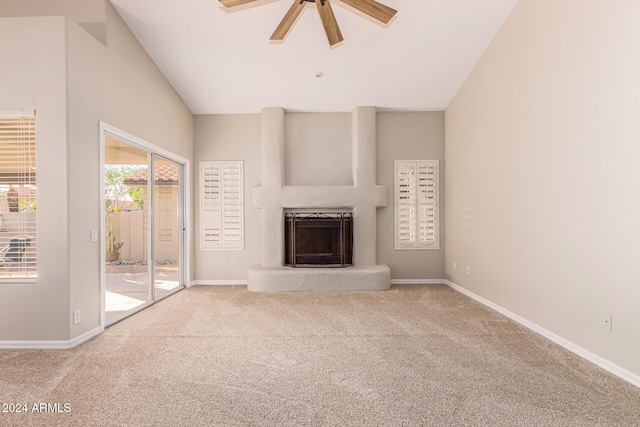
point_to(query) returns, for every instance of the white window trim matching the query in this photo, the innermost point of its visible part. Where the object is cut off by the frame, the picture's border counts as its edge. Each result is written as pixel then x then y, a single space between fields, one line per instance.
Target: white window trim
pixel 422 202
pixel 232 191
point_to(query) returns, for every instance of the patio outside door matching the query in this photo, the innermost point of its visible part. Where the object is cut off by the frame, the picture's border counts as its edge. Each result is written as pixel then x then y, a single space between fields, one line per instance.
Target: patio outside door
pixel 144 228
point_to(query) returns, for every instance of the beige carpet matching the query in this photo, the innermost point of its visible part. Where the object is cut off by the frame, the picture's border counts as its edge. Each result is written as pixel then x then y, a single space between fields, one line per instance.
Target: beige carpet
pixel 221 356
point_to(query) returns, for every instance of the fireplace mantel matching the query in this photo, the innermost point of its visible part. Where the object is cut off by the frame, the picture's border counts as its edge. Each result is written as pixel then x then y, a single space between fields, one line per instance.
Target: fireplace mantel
pixel 363 198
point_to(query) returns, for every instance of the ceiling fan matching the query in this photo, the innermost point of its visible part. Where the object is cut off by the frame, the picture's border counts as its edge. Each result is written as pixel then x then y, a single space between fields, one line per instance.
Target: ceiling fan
pixel 370 7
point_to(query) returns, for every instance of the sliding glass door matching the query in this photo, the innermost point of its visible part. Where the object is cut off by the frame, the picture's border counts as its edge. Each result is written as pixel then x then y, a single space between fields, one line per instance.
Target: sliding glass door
pixel 126 250
pixel 167 228
pixel 144 227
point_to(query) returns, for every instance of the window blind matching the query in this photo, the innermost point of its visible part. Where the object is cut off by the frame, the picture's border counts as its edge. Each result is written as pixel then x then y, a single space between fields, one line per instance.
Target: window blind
pixel 416 193
pixel 221 205
pixel 19 193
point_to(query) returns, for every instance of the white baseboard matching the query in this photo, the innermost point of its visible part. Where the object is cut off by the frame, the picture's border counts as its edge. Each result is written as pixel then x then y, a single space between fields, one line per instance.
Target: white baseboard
pixel 418 282
pixel 53 344
pixel 218 282
pixel 605 364
pixel 393 282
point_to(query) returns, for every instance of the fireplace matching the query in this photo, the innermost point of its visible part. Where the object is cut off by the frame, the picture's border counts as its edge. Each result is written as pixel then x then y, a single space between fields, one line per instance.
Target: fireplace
pixel 318 239
pixel 350 243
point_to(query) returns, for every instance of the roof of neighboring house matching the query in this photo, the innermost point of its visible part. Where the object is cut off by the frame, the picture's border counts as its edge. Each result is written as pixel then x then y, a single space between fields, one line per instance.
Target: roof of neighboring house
pixel 164 175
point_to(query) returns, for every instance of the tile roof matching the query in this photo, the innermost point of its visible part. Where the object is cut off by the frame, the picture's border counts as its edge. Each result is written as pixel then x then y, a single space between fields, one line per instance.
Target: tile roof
pixel 164 175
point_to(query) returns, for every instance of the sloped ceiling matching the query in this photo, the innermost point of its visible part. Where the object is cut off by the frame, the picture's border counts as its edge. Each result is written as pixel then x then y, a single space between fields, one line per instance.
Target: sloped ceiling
pixel 221 61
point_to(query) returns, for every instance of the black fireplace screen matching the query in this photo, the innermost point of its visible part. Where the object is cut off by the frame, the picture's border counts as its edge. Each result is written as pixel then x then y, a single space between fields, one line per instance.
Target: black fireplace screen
pixel 318 239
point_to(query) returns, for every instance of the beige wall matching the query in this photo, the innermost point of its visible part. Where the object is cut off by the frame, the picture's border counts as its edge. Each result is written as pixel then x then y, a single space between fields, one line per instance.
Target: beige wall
pixel 229 137
pixel 401 136
pixel 318 149
pixel 120 85
pixel 89 14
pixel 408 136
pixel 74 81
pixel 542 173
pixel 32 77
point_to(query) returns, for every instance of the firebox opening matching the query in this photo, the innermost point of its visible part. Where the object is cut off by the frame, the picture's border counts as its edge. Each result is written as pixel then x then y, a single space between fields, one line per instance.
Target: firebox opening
pixel 319 239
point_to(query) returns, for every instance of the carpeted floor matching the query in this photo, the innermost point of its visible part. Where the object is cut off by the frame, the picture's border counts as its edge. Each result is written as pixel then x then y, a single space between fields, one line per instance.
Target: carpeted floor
pixel 221 356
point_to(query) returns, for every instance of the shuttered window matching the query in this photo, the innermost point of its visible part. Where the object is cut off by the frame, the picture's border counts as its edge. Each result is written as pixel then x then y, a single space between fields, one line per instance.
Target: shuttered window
pixel 416 205
pixel 221 205
pixel 18 196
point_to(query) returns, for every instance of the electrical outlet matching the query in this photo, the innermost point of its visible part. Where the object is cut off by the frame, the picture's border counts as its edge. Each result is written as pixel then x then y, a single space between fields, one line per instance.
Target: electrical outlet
pixel 606 322
pixel 232 263
pixel 455 266
pixel 467 270
pixel 76 317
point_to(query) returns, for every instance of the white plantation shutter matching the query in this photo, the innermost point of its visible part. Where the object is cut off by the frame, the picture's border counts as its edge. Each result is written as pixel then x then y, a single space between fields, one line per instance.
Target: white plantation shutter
pixel 210 206
pixel 221 202
pixel 406 217
pixel 416 190
pixel 428 204
pixel 232 205
pixel 18 189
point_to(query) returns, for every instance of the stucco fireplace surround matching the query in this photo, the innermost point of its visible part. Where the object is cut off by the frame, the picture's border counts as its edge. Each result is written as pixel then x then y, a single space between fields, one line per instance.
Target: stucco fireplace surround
pixel 363 198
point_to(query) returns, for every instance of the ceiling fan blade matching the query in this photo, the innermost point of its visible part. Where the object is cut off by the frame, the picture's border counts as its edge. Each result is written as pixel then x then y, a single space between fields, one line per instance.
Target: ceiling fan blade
pixel 231 3
pixel 374 9
pixel 329 22
pixel 288 20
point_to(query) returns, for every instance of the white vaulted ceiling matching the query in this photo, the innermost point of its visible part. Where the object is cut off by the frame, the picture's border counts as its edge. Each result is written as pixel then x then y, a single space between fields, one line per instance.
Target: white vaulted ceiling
pixel 220 60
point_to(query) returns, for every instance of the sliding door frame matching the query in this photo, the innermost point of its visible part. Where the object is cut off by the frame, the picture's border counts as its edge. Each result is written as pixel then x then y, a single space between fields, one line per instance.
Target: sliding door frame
pixel 107 130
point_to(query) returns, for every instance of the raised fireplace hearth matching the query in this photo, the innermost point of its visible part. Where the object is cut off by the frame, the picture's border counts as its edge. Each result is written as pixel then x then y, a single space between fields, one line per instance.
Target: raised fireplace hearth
pixel 318 239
